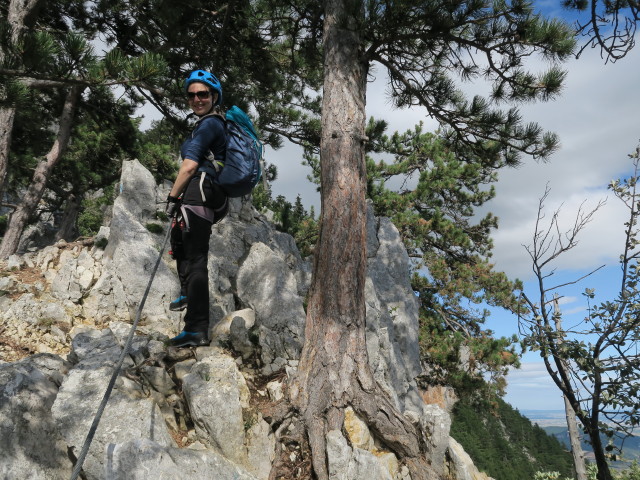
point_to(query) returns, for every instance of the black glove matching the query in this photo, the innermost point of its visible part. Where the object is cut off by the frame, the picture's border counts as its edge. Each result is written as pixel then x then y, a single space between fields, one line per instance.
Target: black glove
pixel 172 206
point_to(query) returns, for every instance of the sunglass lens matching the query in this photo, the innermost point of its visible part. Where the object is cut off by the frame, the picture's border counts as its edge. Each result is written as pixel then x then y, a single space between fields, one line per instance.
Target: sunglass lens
pixel 202 94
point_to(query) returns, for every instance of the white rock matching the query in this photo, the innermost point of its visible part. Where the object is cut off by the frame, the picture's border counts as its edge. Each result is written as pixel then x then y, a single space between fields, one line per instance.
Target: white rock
pixel 275 391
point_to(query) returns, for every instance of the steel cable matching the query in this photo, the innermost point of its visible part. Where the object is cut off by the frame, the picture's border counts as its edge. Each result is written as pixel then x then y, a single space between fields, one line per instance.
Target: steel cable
pixel 114 376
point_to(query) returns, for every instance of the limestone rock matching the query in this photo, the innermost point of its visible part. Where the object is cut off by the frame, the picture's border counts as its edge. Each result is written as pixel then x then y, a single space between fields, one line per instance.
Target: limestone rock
pixel 436 423
pixel 461 465
pixel 358 432
pixel 214 390
pixel 258 281
pixel 30 445
pixel 347 463
pixel 261 444
pixel 82 390
pixel 144 459
pixel 268 287
pixel 223 327
pixel 392 314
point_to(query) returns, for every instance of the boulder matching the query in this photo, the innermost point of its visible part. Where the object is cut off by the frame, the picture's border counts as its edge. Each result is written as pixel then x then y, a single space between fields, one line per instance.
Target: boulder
pixel 131 254
pixel 352 463
pixel 267 286
pixel 461 466
pixel 216 393
pixel 144 459
pixel 392 314
pixel 96 353
pixel 30 445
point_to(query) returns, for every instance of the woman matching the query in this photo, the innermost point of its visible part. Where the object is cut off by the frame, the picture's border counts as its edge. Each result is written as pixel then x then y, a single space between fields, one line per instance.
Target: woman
pixel 197 202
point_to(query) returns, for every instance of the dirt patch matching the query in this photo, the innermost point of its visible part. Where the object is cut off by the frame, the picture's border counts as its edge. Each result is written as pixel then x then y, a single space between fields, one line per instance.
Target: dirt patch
pixel 181 438
pixel 24 280
pixel 28 275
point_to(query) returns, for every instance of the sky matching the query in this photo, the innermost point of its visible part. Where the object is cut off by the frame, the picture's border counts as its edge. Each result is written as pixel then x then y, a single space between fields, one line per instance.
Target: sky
pixel 597 118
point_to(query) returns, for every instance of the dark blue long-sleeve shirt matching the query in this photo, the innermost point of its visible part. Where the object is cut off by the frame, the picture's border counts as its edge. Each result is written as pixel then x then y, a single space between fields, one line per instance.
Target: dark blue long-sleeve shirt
pixel 207 136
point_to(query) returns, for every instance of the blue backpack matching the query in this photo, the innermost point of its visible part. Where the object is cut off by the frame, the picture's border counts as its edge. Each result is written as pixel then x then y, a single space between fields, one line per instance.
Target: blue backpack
pixel 241 171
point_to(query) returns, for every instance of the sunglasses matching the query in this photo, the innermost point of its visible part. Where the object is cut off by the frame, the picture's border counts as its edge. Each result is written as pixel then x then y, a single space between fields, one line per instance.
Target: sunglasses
pixel 202 95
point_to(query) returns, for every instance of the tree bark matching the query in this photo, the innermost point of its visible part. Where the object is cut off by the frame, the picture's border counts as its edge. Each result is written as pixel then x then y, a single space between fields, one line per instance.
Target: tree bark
pixel 334 369
pixel 574 438
pixel 570 414
pixel 604 472
pixel 21 14
pixel 67 230
pixel 20 216
pixel 7 116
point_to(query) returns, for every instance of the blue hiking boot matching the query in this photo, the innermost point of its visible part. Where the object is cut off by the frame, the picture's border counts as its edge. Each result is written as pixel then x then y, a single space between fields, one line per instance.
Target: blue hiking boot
pixel 189 339
pixel 178 304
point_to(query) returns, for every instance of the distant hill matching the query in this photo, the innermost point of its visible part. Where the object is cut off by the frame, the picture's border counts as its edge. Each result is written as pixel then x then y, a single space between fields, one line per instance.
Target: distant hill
pixel 630 448
pixel 554 423
pixel 505 444
pixel 546 418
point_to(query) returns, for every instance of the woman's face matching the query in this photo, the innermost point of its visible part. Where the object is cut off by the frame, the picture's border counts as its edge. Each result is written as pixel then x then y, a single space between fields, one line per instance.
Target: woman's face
pixel 200 98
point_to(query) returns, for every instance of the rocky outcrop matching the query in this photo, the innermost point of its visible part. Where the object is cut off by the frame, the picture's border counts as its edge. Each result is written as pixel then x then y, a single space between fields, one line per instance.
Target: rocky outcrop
pixel 460 464
pixel 184 413
pixel 30 444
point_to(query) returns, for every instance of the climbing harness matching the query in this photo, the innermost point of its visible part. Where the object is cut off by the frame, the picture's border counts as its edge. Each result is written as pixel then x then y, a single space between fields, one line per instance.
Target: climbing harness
pixel 96 420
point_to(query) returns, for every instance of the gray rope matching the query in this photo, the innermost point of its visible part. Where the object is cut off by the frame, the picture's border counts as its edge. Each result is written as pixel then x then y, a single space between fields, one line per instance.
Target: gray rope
pixel 114 376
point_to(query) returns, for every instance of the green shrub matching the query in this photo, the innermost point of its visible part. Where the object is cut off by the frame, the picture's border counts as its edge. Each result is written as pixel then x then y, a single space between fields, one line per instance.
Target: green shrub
pixel 154 228
pixel 101 243
pixel 91 215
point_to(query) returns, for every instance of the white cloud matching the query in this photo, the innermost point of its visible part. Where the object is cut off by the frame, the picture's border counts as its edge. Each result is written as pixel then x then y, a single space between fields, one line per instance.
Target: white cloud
pixel 599 243
pixel 567 300
pixel 531 388
pixel 595 121
pixel 573 311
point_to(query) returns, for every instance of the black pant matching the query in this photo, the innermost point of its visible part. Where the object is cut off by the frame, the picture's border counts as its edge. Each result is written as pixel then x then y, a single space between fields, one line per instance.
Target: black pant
pixel 191 258
pixel 190 247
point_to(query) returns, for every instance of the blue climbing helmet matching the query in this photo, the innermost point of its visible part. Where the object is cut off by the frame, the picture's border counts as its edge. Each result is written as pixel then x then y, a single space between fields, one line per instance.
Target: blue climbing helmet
pixel 207 78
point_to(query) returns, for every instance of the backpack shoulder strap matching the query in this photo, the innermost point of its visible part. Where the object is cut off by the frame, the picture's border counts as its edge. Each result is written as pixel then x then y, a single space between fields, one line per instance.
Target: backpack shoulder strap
pixel 211 165
pixel 208 115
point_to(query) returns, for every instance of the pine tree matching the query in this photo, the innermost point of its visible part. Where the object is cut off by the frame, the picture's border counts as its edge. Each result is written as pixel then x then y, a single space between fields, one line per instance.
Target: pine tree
pixel 46 52
pixel 505 444
pixel 435 210
pixel 420 46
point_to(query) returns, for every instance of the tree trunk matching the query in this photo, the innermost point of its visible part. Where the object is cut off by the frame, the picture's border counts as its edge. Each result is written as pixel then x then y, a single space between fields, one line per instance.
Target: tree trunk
pixel 592 429
pixel 20 216
pixel 604 472
pixel 334 370
pixel 570 414
pixel 574 438
pixel 7 116
pixel 21 14
pixel 67 230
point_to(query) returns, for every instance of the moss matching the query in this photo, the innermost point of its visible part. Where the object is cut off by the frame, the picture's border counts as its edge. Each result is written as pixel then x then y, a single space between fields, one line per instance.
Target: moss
pixel 101 243
pixel 154 227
